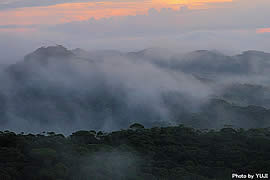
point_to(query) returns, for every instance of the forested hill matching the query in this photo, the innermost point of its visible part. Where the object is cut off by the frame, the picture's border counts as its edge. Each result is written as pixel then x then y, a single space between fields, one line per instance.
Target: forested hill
pixel 135 153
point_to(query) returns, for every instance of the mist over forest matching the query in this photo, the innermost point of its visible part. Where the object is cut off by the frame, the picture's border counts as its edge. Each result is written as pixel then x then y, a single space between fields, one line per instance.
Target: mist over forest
pixel 134 89
pixel 62 90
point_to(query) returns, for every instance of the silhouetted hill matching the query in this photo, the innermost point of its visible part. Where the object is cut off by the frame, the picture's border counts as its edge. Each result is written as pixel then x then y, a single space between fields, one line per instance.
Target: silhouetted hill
pixel 210 62
pixel 218 112
pixel 48 52
pixel 246 94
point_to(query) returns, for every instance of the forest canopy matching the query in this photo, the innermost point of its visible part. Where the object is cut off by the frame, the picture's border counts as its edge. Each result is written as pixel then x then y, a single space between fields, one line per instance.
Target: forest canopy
pixel 158 153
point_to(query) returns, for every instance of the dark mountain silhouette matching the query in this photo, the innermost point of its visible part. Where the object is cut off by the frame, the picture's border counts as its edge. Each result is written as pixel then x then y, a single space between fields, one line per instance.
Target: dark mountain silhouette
pixel 203 61
pixel 246 94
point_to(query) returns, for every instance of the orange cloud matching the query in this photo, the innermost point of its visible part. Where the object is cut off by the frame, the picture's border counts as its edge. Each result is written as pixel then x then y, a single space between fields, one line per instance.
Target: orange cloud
pixel 263 30
pixel 192 4
pixel 67 12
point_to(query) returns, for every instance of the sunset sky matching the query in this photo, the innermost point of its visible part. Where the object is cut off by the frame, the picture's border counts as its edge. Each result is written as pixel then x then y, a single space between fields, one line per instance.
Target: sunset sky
pixel 126 24
pixel 25 12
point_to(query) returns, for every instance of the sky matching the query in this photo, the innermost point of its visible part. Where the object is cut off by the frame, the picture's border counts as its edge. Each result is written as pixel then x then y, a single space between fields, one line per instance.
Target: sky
pixel 228 25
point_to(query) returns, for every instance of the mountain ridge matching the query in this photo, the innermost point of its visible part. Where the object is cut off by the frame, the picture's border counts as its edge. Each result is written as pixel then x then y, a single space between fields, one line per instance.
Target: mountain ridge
pixel 55 88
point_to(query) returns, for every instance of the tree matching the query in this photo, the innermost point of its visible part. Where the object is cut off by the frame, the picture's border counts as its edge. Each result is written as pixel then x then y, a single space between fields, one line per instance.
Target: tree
pixel 136 126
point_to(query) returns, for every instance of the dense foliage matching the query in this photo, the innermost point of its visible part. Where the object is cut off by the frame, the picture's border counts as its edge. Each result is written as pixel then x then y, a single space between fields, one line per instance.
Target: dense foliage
pixel 136 153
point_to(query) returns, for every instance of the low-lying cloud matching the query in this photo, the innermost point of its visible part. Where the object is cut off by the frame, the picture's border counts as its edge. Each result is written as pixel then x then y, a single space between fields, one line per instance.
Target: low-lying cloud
pixel 55 89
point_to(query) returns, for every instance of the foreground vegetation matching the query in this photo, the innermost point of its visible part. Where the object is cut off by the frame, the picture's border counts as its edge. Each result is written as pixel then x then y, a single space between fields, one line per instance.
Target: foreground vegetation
pixel 136 153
